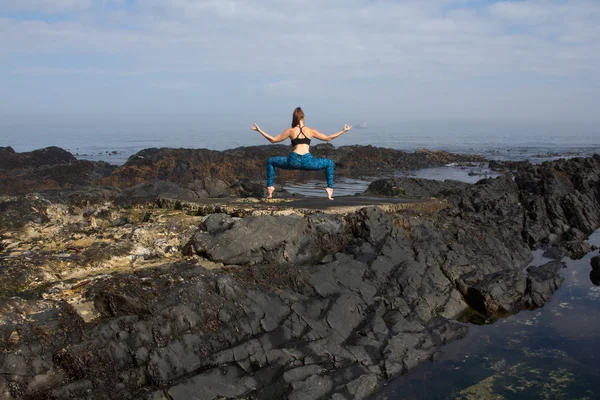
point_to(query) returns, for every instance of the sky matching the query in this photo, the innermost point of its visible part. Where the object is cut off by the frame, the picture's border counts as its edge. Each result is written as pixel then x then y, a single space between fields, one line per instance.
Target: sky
pixel 244 61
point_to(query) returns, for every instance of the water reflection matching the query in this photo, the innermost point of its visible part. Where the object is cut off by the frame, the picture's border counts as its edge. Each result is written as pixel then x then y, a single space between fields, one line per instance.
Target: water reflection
pixel 312 187
pixel 548 353
pixel 349 187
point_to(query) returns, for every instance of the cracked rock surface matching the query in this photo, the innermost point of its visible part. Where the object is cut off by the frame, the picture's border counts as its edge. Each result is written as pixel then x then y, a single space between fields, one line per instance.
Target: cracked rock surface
pixel 299 306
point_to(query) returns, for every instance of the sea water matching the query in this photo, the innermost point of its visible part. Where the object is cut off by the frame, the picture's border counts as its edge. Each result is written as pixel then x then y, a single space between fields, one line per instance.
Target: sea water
pixel 115 141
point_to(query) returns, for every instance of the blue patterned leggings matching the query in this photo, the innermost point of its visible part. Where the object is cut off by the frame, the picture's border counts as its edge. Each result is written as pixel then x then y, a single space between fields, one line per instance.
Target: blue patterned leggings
pixel 304 162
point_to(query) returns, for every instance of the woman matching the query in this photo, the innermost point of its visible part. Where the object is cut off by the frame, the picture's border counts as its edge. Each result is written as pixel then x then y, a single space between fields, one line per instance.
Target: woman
pixel 300 157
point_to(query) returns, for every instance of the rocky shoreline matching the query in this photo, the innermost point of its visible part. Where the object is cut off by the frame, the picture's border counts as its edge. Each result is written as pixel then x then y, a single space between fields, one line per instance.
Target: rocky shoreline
pixel 166 279
pixel 199 173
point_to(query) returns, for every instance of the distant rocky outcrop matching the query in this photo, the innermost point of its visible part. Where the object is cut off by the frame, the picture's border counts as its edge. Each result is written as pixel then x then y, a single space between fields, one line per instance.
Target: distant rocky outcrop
pixel 10 159
pixel 49 168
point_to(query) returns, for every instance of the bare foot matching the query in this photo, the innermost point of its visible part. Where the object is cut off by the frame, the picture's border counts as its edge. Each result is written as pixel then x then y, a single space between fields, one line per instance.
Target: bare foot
pixel 270 190
pixel 329 193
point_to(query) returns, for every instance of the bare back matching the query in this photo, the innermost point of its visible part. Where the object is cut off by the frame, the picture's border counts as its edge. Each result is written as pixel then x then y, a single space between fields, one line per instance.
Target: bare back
pixel 297 133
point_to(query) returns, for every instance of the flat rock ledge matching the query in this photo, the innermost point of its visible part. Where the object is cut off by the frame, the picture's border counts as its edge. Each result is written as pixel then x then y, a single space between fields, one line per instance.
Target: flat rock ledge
pixel 292 299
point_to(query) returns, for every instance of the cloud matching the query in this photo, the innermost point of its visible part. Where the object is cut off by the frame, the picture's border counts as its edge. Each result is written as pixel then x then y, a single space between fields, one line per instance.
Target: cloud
pixel 353 38
pixel 41 71
pixel 46 6
pixel 176 85
pixel 409 44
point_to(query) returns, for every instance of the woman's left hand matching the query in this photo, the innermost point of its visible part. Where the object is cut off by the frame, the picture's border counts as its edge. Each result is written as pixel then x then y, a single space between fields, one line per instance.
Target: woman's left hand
pixel 254 127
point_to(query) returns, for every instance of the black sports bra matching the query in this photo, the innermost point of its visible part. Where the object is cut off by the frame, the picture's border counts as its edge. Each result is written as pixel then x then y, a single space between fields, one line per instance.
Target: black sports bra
pixel 298 140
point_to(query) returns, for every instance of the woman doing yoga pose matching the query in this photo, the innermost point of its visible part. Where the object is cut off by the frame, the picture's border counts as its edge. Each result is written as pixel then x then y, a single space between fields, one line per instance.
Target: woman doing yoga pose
pixel 300 157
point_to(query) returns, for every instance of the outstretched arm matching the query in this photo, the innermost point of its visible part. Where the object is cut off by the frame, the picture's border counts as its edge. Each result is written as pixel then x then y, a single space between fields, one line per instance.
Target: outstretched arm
pixel 279 138
pixel 326 138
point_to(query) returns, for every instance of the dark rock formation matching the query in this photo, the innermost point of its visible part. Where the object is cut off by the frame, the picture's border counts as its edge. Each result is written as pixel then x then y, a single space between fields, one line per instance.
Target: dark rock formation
pixel 238 172
pixel 148 192
pixel 16 212
pixel 295 329
pixel 299 306
pixel 556 253
pixel 561 199
pixel 9 159
pixel 555 202
pixel 595 263
pixel 595 278
pixel 414 187
pixel 49 168
pixel 185 166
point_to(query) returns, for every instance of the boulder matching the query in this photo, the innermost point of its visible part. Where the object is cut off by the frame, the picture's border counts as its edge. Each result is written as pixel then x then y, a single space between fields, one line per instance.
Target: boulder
pixel 595 263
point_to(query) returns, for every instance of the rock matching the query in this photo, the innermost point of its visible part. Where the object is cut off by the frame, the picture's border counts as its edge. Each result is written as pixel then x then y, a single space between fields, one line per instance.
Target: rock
pixel 81 195
pixel 48 168
pixel 247 188
pixel 211 187
pixel 16 211
pixel 14 338
pixel 149 192
pixel 255 239
pixel 86 310
pixel 213 384
pixel 413 187
pixel 595 263
pixel 574 235
pixel 542 282
pixel 314 388
pixel 9 159
pixel 555 253
pixel 500 293
pixel 363 386
pixel 217 223
pixel 577 249
pixel 595 277
pixel 77 389
pixel 302 373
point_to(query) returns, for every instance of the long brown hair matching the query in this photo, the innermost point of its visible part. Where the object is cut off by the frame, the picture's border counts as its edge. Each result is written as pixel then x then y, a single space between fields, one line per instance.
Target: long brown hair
pixel 297 116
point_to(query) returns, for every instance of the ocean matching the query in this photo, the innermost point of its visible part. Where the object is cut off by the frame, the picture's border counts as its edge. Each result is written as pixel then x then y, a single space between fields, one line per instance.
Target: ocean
pixel 114 142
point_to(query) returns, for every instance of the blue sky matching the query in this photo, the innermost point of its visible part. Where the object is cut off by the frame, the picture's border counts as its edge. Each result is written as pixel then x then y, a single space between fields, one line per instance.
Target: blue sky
pixel 342 60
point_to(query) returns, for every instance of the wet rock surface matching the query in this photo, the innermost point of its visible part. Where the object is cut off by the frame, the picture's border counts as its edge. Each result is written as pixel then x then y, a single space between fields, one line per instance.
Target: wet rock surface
pixel 115 299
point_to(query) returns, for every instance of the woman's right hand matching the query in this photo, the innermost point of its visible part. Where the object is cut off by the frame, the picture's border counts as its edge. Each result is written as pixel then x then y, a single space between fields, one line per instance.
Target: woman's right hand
pixel 347 127
pixel 254 127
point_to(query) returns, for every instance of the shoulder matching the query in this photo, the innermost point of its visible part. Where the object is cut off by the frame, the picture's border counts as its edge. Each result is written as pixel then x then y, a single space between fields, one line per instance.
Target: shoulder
pixel 311 131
